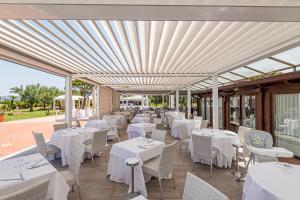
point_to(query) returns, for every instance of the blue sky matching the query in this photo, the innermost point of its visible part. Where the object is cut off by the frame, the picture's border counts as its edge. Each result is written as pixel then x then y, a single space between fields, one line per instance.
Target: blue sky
pixel 12 75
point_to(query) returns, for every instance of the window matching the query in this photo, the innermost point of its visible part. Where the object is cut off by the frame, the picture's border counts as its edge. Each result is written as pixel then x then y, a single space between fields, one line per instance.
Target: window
pixel 248 111
pixel 287 122
pixel 235 110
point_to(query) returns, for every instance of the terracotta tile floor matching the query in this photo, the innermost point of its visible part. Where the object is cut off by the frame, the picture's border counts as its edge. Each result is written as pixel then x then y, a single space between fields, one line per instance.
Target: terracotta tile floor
pixel 95 184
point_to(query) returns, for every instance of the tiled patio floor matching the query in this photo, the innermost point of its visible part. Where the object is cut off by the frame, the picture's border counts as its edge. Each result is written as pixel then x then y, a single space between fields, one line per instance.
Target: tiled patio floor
pixel 95 184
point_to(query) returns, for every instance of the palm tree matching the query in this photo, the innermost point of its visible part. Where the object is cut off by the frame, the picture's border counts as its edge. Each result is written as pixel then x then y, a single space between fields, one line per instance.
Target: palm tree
pixel 31 95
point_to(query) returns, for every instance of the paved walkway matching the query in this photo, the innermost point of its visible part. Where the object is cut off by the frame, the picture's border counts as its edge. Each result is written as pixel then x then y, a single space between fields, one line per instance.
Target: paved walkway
pixel 17 135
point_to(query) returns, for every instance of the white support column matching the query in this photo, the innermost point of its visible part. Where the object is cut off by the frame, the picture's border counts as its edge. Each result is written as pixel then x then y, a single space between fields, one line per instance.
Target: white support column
pixel 147 101
pixel 169 101
pixel 97 99
pixel 215 100
pixel 142 103
pixel 177 100
pixel 189 103
pixel 68 101
pixel 162 99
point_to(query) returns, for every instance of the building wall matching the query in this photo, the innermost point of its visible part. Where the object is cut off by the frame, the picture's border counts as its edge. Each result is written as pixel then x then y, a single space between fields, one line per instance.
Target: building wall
pixel 109 100
pixel 105 100
pixel 116 101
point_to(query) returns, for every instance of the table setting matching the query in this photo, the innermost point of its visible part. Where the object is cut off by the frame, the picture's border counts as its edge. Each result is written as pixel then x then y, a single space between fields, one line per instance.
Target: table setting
pixel 21 172
pixel 139 129
pixel 222 140
pixel 66 138
pixel 272 181
pixel 141 148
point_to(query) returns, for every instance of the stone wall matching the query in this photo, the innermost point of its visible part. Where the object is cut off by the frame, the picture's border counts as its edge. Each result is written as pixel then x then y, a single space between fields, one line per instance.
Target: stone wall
pixel 109 100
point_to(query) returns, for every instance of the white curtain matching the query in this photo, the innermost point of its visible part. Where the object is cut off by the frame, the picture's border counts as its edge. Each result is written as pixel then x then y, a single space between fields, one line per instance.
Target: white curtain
pixel 287 121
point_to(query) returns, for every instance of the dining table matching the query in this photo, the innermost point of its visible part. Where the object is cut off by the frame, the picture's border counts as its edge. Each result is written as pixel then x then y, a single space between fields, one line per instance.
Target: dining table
pixel 272 181
pixel 22 172
pixel 222 141
pixel 141 148
pixel 65 139
pixel 139 129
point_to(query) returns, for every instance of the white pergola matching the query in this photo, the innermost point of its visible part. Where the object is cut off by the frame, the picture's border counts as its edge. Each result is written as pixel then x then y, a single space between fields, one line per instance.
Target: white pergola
pixel 155 47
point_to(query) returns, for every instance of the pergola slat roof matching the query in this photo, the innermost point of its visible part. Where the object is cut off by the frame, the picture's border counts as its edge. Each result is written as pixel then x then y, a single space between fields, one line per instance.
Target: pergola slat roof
pixel 156 55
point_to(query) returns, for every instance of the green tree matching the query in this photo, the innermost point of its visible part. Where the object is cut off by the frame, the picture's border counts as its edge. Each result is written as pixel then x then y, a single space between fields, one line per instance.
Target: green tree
pixel 46 95
pixel 83 89
pixel 30 94
pixel 12 101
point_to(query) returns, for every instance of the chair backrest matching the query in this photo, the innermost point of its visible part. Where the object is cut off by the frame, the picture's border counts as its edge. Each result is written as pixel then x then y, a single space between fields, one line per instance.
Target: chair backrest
pixel 182 114
pixel 241 133
pixel 197 123
pixel 170 120
pixel 204 123
pixel 75 159
pixel 166 159
pixel 196 188
pixel 202 146
pixel 259 139
pixel 157 120
pixel 183 131
pixel 158 135
pixel 198 118
pixel 99 141
pixel 60 126
pixel 40 143
pixel 37 191
pixel 162 115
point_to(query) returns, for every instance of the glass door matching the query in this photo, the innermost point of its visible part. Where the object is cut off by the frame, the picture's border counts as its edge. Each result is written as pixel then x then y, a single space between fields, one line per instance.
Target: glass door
pixel 249 111
pixel 287 121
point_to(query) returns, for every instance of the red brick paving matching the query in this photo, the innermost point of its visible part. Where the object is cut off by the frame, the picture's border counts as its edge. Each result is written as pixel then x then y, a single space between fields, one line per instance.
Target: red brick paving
pixel 20 135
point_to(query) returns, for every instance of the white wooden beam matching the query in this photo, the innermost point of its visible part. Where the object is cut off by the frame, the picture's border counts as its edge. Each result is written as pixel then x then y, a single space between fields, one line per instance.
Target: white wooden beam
pixel 215 100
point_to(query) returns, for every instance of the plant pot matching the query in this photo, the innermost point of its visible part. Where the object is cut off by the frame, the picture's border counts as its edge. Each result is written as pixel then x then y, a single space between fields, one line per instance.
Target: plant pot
pixel 1 118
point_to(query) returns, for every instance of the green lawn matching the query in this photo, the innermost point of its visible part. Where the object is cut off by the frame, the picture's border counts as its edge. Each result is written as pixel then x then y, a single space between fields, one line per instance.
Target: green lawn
pixel 25 114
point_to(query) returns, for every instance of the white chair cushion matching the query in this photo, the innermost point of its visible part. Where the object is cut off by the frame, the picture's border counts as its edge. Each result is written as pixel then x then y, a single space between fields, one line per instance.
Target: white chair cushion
pixel 52 150
pixel 69 177
pixel 151 166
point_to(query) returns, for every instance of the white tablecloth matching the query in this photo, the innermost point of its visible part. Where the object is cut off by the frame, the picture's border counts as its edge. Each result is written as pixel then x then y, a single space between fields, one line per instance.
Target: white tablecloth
pixel 66 138
pixel 139 129
pixel 272 181
pixel 190 123
pixel 57 190
pixel 221 140
pixel 98 124
pixel 134 148
pixel 138 119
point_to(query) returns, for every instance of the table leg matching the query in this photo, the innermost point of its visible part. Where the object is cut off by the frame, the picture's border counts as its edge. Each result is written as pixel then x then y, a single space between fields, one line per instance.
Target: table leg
pixel 242 176
pixel 237 169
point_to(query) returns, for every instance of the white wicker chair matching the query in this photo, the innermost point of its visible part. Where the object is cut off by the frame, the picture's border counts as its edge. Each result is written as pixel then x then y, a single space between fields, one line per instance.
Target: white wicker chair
pixel 198 118
pixel 202 148
pixel 121 124
pixel 196 188
pixel 42 147
pixel 204 123
pixel 184 136
pixel 162 166
pixel 158 135
pixel 98 144
pixel 37 191
pixel 157 120
pixel 71 175
pixel 170 120
pixel 241 134
pixel 60 126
